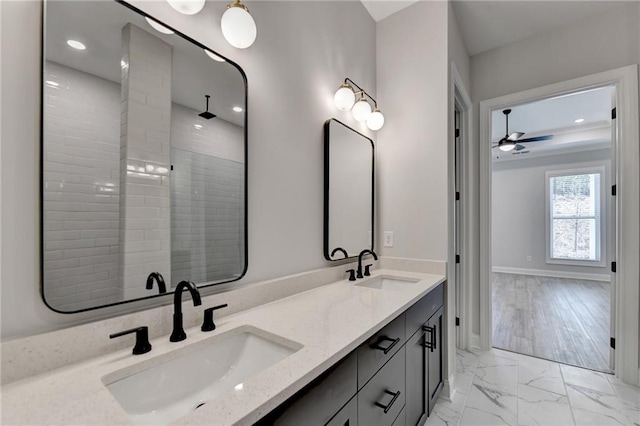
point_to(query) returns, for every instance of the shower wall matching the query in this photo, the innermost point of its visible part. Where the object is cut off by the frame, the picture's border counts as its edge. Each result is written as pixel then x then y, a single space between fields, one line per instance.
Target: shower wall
pixel 81 163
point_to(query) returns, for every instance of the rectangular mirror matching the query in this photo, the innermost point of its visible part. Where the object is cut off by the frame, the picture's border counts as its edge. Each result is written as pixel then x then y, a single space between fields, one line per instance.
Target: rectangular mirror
pixel 144 167
pixel 348 191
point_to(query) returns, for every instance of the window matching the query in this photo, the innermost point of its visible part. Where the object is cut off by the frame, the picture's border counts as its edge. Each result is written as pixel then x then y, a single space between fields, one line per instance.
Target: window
pixel 574 226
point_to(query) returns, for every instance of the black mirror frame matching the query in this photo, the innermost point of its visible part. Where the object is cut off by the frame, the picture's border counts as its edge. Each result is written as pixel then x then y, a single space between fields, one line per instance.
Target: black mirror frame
pixel 246 158
pixel 327 141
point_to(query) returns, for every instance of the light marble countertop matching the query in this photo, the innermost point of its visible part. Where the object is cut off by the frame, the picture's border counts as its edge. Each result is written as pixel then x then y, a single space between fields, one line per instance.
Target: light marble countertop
pixel 328 322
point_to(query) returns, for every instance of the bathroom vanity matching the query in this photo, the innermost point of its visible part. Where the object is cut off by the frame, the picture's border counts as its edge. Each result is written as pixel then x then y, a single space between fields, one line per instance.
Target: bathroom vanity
pixel 394 377
pixel 355 351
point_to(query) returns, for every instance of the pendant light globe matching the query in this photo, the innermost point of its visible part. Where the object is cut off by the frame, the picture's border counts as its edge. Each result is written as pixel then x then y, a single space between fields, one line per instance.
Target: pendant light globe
pixel 187 7
pixel 344 97
pixel 238 26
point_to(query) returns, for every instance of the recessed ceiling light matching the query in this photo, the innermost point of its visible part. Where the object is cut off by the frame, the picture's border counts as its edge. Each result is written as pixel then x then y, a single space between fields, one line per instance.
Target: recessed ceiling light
pixel 198 126
pixel 237 109
pixel 52 83
pixel 157 26
pixel 214 56
pixel 76 44
pixel 579 120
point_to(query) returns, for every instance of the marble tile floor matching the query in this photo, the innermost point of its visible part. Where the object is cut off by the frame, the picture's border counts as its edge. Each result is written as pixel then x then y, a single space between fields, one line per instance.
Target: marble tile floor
pixel 504 388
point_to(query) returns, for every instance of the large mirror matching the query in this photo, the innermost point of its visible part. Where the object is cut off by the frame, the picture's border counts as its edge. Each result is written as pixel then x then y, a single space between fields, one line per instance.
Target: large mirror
pixel 143 158
pixel 348 191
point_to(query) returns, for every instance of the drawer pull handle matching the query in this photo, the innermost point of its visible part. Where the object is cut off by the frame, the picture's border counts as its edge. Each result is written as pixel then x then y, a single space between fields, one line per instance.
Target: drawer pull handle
pixel 385 339
pixel 387 407
pixel 432 332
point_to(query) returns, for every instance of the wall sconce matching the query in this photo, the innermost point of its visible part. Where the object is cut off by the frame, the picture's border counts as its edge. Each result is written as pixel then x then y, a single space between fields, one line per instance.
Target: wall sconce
pixel 238 26
pixel 345 100
pixel 187 7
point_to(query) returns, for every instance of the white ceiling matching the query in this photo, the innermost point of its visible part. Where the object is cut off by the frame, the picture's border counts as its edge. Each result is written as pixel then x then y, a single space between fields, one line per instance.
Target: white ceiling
pixel 380 9
pixel 556 116
pixel 489 24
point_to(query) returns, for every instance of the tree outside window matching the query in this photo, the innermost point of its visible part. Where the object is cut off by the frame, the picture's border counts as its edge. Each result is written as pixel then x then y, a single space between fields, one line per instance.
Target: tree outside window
pixel 575 219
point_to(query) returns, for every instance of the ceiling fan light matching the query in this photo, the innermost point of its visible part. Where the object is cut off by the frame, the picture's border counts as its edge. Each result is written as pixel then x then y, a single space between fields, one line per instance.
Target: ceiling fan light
pixel 238 26
pixel 506 145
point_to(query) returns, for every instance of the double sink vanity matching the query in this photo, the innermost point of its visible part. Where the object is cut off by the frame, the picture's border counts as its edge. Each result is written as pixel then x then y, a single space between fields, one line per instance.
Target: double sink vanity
pixel 352 350
pixel 127 198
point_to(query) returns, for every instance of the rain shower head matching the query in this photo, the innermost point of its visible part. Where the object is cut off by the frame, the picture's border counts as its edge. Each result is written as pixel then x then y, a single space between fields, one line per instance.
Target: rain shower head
pixel 207 115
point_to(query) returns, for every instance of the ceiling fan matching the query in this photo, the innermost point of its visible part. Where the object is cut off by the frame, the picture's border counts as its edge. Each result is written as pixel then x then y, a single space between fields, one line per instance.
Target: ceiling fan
pixel 512 141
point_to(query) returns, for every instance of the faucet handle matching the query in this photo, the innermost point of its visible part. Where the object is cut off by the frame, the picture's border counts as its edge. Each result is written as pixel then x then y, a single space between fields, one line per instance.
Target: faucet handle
pixel 142 339
pixel 208 324
pixel 352 274
pixel 367 272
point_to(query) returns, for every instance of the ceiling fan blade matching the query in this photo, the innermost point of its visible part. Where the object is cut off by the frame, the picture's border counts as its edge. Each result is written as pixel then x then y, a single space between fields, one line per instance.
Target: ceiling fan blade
pixel 536 139
pixel 515 136
pixel 519 147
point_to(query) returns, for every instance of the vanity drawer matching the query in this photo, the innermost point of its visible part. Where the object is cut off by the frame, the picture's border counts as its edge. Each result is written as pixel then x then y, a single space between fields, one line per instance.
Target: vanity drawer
pixel 382 399
pixel 423 309
pixel 321 399
pixel 377 350
pixel 402 419
pixel 348 416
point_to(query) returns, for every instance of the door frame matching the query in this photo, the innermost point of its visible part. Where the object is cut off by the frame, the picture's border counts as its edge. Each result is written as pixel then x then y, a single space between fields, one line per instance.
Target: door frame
pixel 461 101
pixel 626 177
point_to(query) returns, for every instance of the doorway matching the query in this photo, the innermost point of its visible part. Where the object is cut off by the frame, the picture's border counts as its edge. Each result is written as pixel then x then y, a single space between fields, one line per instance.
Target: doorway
pixel 551 227
pixel 626 295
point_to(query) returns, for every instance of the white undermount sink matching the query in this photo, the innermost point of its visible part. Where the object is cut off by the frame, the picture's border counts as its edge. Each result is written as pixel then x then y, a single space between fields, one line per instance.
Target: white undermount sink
pixel 170 390
pixel 387 283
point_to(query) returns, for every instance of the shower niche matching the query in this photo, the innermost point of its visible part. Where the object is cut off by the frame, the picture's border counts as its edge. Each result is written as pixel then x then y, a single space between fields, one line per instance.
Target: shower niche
pixel 144 163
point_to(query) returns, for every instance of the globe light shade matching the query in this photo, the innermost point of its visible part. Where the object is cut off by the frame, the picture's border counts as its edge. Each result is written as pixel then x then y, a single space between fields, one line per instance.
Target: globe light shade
pixel 375 120
pixel 187 7
pixel 238 26
pixel 361 110
pixel 344 97
pixel 507 145
pixel 158 27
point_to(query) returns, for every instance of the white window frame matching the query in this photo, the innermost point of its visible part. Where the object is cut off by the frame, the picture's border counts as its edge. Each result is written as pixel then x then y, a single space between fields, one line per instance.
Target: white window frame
pixel 600 221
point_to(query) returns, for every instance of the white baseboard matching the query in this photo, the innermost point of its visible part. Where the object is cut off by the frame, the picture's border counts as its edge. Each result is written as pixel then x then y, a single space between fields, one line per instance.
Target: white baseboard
pixel 449 388
pixel 556 274
pixel 474 341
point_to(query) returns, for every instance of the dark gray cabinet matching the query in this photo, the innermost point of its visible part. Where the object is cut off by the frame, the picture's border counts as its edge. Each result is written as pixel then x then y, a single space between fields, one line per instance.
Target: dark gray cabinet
pixel 348 416
pixel 393 378
pixel 424 356
pixel 382 398
pixel 417 403
pixel 434 355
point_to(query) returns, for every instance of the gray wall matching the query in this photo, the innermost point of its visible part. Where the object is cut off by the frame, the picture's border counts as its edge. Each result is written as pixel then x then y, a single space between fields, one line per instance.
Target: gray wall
pixel 519 214
pixel 579 49
pixel 413 76
pixel 303 51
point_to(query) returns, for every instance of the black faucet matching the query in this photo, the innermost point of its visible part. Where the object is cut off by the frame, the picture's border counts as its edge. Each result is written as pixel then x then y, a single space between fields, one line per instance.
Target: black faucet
pixel 157 276
pixel 362 253
pixel 337 249
pixel 178 333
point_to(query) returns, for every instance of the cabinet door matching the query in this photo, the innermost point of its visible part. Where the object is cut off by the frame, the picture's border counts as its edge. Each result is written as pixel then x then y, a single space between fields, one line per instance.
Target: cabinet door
pixel 416 379
pixel 434 356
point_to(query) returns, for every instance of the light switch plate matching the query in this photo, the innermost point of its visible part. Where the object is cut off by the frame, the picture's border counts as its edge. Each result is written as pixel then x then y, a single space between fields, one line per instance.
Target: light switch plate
pixel 388 238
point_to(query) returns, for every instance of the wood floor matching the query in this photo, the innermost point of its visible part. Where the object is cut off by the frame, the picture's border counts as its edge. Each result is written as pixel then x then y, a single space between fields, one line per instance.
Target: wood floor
pixel 559 319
